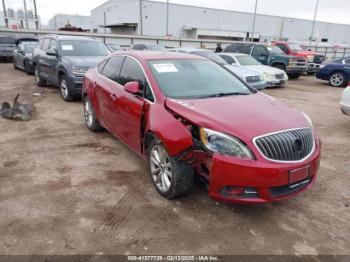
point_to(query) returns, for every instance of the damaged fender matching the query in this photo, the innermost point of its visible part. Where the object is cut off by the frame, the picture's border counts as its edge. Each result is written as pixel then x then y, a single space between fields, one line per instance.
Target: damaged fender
pixel 173 134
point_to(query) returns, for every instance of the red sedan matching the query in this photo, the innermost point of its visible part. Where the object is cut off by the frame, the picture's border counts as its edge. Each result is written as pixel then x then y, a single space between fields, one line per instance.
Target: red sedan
pixel 190 117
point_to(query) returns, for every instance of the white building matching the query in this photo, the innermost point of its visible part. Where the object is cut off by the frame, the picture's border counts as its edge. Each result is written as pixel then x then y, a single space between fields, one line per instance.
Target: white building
pixel 123 17
pixel 18 20
pixel 61 20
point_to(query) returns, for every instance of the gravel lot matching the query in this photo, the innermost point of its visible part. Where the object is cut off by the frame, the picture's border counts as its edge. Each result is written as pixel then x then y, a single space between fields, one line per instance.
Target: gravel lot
pixel 65 190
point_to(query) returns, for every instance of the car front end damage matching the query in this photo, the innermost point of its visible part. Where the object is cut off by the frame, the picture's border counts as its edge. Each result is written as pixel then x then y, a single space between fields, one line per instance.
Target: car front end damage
pixel 262 169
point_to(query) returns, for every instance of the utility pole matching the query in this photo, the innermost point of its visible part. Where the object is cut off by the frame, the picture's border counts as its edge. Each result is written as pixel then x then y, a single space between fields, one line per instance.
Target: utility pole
pixel 253 27
pixel 282 26
pixel 5 13
pixel 36 15
pixel 141 29
pixel 314 22
pixel 25 13
pixel 167 17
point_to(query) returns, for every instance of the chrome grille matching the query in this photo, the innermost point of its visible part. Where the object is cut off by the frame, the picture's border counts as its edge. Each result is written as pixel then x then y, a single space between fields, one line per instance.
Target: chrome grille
pixel 279 76
pixel 291 145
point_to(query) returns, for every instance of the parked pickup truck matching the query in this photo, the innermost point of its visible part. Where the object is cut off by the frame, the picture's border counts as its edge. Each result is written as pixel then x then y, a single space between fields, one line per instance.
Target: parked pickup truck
pixel 314 60
pixel 272 56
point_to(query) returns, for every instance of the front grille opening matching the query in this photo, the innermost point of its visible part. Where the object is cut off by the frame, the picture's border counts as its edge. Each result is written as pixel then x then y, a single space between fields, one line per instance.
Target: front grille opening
pixel 289 189
pixel 292 145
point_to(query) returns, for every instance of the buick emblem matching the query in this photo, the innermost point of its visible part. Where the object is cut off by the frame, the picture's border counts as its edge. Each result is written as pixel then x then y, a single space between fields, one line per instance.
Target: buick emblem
pixel 297 145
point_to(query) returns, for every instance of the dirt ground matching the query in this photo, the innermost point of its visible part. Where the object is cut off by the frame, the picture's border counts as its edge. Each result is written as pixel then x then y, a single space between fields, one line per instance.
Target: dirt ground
pixel 66 190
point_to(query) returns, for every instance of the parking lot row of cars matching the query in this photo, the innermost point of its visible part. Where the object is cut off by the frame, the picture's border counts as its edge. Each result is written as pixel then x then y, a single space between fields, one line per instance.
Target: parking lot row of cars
pixel 190 112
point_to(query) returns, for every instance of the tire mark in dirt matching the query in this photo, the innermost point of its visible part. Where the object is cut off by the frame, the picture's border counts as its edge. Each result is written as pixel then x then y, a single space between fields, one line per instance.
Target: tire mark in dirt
pixel 118 214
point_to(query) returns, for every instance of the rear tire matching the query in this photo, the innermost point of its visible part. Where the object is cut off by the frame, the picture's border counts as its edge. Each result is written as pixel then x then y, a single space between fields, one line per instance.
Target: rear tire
pixel 66 92
pixel 38 80
pixel 171 177
pixel 338 79
pixel 27 69
pixel 90 116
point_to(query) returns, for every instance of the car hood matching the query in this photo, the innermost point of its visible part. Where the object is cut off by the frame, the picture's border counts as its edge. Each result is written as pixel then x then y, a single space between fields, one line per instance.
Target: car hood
pixel 242 71
pixel 245 116
pixel 86 61
pixel 266 69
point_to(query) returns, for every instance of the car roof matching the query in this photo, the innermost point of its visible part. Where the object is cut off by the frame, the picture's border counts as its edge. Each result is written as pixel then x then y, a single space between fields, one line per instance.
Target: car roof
pixel 234 54
pixel 70 37
pixel 155 55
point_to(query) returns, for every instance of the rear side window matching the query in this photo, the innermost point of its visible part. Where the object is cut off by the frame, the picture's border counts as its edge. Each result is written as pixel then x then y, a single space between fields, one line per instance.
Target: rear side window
pixel 44 44
pixel 228 59
pixel 132 71
pixel 112 68
pixel 259 51
pixel 245 49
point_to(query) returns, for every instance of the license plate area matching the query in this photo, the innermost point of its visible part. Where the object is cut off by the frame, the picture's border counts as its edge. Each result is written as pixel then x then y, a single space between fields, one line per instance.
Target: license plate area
pixel 298 175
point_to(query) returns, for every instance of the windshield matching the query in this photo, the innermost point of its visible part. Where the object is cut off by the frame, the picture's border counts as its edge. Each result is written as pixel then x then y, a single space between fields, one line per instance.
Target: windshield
pixel 29 48
pixel 246 60
pixel 212 56
pixel 186 79
pixel 275 50
pixel 296 47
pixel 83 48
pixel 156 48
pixel 7 40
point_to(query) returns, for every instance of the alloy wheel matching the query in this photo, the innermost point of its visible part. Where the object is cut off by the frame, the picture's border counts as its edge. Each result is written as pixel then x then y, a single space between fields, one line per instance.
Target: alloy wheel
pixel 88 113
pixel 36 76
pixel 161 168
pixel 337 79
pixel 64 88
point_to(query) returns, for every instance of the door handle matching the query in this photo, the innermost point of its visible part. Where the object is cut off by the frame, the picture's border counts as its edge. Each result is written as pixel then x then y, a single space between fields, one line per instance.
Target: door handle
pixel 114 97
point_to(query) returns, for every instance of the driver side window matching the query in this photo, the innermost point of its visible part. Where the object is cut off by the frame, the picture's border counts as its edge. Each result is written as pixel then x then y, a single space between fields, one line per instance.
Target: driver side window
pixel 132 71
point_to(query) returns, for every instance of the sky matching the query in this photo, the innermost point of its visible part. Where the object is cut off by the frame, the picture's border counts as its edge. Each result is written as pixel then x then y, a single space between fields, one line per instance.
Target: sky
pixel 336 11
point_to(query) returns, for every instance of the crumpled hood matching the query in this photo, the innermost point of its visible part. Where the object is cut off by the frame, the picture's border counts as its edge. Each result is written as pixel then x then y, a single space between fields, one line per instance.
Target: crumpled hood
pixel 266 69
pixel 85 61
pixel 245 116
pixel 242 71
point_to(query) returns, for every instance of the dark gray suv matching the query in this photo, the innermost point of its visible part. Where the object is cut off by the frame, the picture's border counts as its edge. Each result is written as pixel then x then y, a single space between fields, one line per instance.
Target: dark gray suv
pixel 64 60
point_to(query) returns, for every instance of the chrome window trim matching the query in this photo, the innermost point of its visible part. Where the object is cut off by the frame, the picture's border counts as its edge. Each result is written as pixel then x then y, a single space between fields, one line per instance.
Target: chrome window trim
pixel 283 131
pixel 120 86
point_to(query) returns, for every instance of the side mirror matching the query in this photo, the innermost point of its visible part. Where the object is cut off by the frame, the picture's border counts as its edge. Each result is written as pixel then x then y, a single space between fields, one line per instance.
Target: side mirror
pixel 51 52
pixel 133 88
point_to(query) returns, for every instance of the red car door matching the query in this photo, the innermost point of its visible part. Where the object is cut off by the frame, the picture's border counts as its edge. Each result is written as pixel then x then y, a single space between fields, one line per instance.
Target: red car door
pixel 131 106
pixel 108 93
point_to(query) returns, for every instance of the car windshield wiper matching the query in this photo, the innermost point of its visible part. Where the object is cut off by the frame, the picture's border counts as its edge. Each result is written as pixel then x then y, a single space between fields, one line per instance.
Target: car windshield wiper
pixel 226 94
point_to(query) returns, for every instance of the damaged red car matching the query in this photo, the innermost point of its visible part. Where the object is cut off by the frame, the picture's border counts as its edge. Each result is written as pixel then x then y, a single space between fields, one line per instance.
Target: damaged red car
pixel 187 116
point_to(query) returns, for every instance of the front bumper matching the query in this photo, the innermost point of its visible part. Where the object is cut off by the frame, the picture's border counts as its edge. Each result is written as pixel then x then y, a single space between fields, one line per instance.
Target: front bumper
pixel 296 69
pixel 277 82
pixel 264 181
pixel 76 85
pixel 258 85
pixel 313 67
pixel 345 109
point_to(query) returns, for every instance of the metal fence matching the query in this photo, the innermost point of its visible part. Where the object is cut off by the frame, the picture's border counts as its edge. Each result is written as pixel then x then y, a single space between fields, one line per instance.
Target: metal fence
pixel 331 52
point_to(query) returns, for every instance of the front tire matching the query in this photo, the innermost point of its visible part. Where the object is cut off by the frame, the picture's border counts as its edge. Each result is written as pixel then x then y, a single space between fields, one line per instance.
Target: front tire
pixel 66 92
pixel 338 79
pixel 38 80
pixel 171 177
pixel 90 116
